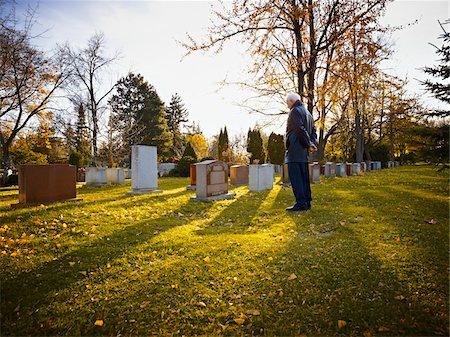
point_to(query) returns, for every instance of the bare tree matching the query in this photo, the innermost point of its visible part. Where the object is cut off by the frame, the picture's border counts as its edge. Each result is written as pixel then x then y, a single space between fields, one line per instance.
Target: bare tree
pixel 87 84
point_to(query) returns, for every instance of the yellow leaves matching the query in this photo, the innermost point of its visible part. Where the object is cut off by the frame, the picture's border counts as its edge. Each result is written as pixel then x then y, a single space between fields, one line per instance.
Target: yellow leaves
pixel 292 277
pixel 175 286
pixel 71 264
pixel 254 312
pixel 84 273
pixel 241 319
pixel 201 304
pixel 207 259
pixel 4 229
pixel 99 322
pixel 341 324
pixel 108 265
pixel 93 228
pixel 16 253
pixel 270 258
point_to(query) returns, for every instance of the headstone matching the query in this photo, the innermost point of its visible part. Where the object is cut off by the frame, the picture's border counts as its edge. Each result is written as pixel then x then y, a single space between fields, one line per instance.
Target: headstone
pixel 261 177
pixel 349 170
pixel 285 181
pixel 127 173
pixel 341 170
pixel 115 176
pixel 239 175
pixel 144 169
pixel 391 164
pixel 357 169
pixel 330 170
pixel 95 176
pixel 192 176
pixel 368 165
pixel 81 174
pixel 322 170
pixel 378 165
pixel 396 163
pixel 40 184
pixel 211 181
pixel 314 173
pixel 165 168
pixel 363 167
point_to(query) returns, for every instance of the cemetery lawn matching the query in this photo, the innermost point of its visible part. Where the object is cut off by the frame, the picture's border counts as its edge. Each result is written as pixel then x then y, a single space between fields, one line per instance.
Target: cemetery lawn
pixel 370 258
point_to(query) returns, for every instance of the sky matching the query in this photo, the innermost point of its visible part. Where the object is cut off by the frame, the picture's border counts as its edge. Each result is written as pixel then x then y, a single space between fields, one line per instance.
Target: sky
pixel 146 32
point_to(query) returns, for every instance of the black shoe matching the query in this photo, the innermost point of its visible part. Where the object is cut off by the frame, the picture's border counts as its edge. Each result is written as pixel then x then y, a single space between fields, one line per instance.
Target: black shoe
pixel 296 208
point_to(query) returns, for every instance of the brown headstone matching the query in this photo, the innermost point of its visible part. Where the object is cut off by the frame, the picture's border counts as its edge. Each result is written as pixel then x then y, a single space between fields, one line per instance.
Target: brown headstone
pixel 192 174
pixel 46 183
pixel 239 175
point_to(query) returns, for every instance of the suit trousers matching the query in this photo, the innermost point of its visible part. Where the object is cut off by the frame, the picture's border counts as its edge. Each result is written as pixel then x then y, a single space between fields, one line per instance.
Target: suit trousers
pixel 299 177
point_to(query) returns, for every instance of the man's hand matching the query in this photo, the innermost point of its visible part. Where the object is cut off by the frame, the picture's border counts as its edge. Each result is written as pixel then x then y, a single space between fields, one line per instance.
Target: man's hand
pixel 312 149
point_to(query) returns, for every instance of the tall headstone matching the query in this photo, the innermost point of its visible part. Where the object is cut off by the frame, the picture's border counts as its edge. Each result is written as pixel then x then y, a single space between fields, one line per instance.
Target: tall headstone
pixel 341 170
pixel 357 169
pixel 40 184
pixel 314 173
pixel 391 164
pixel 363 167
pixel 165 168
pixel 349 169
pixel 144 166
pixel 95 176
pixel 261 177
pixel 285 181
pixel 115 176
pixel 330 170
pixel 211 181
pixel 239 175
pixel 192 177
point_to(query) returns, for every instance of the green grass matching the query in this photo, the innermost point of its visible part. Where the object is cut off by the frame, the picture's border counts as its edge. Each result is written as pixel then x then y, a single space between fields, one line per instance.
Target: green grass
pixel 373 252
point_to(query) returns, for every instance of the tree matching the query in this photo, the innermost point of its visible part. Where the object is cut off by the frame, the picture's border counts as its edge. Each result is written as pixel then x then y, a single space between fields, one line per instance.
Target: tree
pixel 223 145
pixel 255 146
pixel 87 67
pixel 440 90
pixel 276 149
pixel 82 142
pixel 29 79
pixel 199 144
pixel 176 116
pixel 189 151
pixel 139 116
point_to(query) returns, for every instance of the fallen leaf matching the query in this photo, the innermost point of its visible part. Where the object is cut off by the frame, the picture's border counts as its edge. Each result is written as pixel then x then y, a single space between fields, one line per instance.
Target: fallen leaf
pixel 99 322
pixel 341 324
pixel 254 312
pixel 207 259
pixel 71 264
pixel 367 334
pixel 202 304
pixel 383 329
pixel 431 222
pixel 83 273
pixel 400 297
pixel 239 321
pixel 292 277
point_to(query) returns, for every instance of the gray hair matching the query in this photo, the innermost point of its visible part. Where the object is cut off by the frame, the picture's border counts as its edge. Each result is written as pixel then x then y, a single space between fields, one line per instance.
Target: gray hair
pixel 292 97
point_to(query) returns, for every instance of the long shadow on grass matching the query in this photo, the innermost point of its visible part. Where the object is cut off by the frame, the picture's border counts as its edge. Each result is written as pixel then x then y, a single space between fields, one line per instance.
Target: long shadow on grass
pixel 32 289
pixel 28 213
pixel 241 213
pixel 338 279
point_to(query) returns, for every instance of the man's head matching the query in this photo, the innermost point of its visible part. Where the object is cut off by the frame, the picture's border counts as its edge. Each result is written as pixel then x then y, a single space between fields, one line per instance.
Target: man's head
pixel 291 99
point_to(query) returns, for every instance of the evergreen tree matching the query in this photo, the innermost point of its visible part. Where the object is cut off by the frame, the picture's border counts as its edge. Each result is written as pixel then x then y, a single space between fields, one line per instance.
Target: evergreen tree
pixel 190 152
pixel 82 141
pixel 139 116
pixel 276 149
pixel 223 145
pixel 441 90
pixel 255 146
pixel 176 115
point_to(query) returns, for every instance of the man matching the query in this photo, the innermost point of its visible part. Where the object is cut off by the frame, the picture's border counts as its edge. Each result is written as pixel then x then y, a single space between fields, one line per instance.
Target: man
pixel 300 141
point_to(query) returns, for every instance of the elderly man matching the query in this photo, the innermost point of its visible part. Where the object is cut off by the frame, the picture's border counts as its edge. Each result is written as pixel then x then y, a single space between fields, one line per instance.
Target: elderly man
pixel 300 141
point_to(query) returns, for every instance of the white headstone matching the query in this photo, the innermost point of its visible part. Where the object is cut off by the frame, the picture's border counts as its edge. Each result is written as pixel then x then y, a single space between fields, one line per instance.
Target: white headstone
pixel 316 173
pixel 95 176
pixel 144 168
pixel 330 170
pixel 165 168
pixel 115 176
pixel 261 177
pixel 357 169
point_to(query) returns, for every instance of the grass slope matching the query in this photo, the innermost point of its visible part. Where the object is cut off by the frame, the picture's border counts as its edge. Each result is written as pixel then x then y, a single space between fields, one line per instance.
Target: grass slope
pixel 371 258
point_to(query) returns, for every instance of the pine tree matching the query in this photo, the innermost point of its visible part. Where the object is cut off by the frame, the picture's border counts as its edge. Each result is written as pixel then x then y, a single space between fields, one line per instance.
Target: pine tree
pixel 189 151
pixel 82 141
pixel 255 146
pixel 223 145
pixel 176 115
pixel 276 149
pixel 441 90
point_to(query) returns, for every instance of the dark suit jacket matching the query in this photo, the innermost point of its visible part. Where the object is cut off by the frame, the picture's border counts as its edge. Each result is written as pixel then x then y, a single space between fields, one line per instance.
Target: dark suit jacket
pixel 300 134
